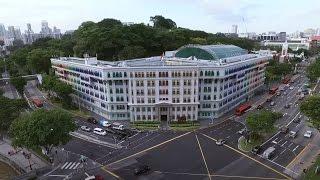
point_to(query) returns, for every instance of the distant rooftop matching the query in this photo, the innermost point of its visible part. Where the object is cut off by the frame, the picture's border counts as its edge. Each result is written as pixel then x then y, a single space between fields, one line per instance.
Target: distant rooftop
pixel 210 52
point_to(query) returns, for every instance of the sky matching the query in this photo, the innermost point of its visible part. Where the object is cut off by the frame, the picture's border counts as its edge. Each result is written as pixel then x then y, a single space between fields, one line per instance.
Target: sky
pixel 207 15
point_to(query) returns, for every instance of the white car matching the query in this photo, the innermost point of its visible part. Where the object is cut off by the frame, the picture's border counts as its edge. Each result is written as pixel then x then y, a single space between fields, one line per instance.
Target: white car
pixel 105 124
pixel 99 131
pixel 85 128
pixel 117 126
pixel 308 134
pixel 291 88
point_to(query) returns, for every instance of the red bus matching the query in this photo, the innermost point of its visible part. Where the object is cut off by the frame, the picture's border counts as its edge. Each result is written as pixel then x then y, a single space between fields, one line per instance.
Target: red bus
pixel 273 90
pixel 37 102
pixel 242 109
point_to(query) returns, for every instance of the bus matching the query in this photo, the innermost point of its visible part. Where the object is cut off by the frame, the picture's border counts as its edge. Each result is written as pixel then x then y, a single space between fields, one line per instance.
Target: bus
pixel 242 109
pixel 37 102
pixel 273 90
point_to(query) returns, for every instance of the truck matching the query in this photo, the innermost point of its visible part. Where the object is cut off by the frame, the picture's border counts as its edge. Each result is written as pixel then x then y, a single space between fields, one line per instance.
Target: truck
pixel 37 102
pixel 242 109
pixel 273 90
pixel 267 154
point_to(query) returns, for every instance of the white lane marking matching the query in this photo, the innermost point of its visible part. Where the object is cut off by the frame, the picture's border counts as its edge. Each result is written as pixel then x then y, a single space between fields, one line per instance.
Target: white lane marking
pixel 295 148
pixel 283 151
pixel 75 167
pixel 279 141
pixel 65 164
pixel 275 158
pixel 71 167
pixel 270 138
pixel 68 165
pixel 290 144
pixel 284 143
pixel 292 119
pixel 228 137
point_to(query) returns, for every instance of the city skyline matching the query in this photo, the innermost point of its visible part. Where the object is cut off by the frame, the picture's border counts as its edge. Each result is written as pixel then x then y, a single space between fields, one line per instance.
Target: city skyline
pixel 248 15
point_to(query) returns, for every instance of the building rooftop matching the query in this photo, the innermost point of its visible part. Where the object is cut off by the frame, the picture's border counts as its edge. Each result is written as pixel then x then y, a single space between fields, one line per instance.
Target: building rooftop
pixel 210 52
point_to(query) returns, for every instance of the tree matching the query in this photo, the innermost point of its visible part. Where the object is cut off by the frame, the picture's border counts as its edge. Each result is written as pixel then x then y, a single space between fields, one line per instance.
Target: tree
pixel 313 71
pixel 9 110
pixel 63 92
pixel 39 60
pixel 161 22
pixel 131 52
pixel 311 108
pixel 48 83
pixel 44 128
pixel 262 121
pixel 18 83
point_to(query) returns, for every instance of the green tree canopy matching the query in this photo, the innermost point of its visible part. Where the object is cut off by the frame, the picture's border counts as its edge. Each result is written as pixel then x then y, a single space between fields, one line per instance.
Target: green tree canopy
pixel 161 22
pixel 262 121
pixel 313 71
pixel 42 128
pixel 39 60
pixel 18 83
pixel 311 108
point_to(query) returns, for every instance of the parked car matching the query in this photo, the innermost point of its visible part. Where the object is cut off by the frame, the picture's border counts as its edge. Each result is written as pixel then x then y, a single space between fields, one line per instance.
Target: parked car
pixel 308 134
pixel 287 106
pixel 259 107
pixel 272 103
pixel 85 128
pixel 220 142
pixel 278 93
pixel 256 150
pixel 285 93
pixel 284 129
pixel 268 153
pixel 242 131
pixel 291 88
pixel 117 126
pixel 92 120
pixel 104 123
pixel 292 134
pixel 141 169
pixel 99 131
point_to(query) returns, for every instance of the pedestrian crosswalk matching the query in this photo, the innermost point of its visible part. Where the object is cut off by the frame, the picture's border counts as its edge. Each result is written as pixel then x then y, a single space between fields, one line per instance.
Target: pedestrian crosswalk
pixel 70 165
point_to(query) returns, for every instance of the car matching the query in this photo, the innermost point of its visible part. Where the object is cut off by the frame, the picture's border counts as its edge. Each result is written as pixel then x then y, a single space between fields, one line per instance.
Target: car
pixel 85 128
pixel 141 169
pixel 242 131
pixel 272 103
pixel 291 87
pixel 220 142
pixel 256 150
pixel 297 120
pixel 99 131
pixel 284 129
pixel 259 107
pixel 307 134
pixel 269 100
pixel 285 93
pixel 287 106
pixel 92 120
pixel 278 93
pixel 292 134
pixel 268 153
pixel 117 126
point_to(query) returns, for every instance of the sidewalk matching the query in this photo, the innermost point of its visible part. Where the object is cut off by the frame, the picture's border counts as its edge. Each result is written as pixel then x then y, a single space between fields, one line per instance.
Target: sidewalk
pixel 306 158
pixel 20 160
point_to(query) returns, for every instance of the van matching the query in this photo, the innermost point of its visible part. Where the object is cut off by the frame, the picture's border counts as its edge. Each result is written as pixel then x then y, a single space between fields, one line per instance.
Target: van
pixel 267 154
pixel 99 131
pixel 292 134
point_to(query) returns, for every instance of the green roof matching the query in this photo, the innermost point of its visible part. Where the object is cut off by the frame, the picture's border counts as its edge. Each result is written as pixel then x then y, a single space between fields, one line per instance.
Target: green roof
pixel 210 52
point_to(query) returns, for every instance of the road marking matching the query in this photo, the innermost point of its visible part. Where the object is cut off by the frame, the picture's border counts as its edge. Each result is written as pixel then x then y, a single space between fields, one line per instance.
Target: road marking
pixel 113 174
pixel 295 148
pixel 57 175
pixel 298 155
pixel 76 166
pixel 218 175
pixel 177 137
pixel 284 143
pixel 65 164
pixel 292 119
pixel 68 165
pixel 249 157
pixel 290 144
pixel 283 151
pixel 204 159
pixel 275 158
pixel 71 167
pixel 270 138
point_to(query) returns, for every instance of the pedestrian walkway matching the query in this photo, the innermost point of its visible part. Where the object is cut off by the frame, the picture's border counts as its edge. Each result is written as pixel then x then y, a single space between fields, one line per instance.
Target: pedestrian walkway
pixel 70 165
pixel 21 158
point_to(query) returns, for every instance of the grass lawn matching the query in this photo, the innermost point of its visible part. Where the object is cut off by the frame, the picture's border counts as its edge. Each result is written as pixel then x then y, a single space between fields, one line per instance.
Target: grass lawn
pixel 247 146
pixel 310 174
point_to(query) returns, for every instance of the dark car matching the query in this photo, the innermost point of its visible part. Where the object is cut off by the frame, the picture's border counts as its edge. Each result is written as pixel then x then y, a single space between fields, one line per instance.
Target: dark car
pixel 287 106
pixel 256 150
pixel 284 129
pixel 259 107
pixel 92 120
pixel 141 170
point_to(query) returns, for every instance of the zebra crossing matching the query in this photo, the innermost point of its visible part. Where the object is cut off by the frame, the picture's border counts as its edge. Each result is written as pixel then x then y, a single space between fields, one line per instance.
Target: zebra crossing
pixel 70 165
